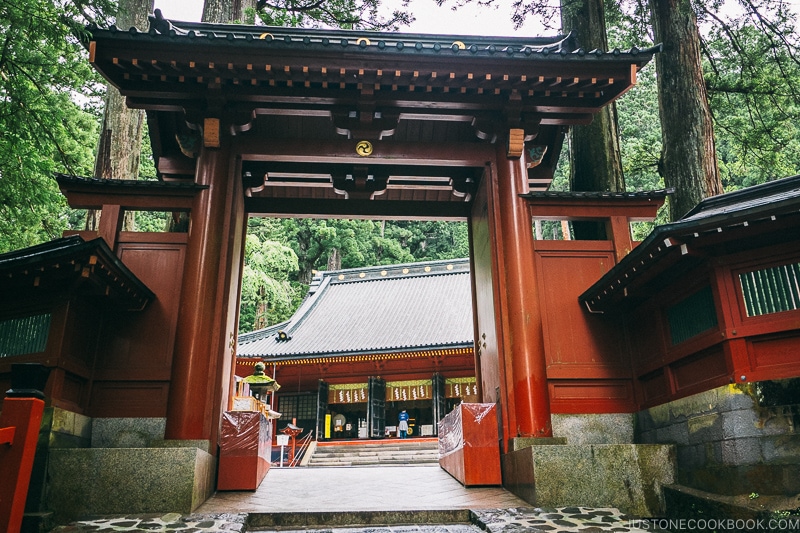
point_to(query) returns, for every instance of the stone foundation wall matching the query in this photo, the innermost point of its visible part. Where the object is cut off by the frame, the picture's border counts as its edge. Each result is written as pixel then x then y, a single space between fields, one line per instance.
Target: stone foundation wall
pixel 626 476
pixel 610 428
pixel 88 466
pixel 736 439
pixel 102 481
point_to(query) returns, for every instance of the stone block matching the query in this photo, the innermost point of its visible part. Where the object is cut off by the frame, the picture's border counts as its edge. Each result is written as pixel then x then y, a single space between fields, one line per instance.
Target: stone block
pixel 102 481
pixel 778 420
pixel 127 432
pixel 69 423
pixel 646 437
pixel 692 456
pixel 781 449
pixel 608 428
pixel 519 443
pixel 677 433
pixel 740 423
pixel 626 476
pixel 199 444
pixel 744 451
pixel 704 428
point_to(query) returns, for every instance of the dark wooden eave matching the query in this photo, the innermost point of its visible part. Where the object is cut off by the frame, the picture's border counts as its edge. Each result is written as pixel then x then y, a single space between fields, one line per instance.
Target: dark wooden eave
pixel 295 99
pixel 93 193
pixel 70 266
pixel 563 205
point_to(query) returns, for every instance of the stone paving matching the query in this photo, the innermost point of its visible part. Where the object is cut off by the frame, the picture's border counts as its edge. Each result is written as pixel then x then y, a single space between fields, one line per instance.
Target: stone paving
pixel 522 520
pixel 418 492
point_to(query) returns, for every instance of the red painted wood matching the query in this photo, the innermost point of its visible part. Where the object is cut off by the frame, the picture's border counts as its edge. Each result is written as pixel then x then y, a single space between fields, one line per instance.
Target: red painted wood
pixel 24 415
pixel 524 343
pixel 205 337
pixel 486 249
pixel 189 409
pixel 580 396
pixel 245 451
pixel 475 456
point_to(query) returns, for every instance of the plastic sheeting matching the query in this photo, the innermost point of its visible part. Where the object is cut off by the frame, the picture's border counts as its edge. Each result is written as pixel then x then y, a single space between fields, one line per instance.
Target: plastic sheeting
pixel 461 427
pixel 245 433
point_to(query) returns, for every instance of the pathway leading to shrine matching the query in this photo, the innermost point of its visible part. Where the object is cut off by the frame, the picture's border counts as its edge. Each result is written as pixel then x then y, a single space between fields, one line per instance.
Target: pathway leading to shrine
pixel 326 498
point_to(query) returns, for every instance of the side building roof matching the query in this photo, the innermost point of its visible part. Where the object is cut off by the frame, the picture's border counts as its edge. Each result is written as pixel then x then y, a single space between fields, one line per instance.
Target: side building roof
pixel 750 218
pixel 67 266
pixel 383 309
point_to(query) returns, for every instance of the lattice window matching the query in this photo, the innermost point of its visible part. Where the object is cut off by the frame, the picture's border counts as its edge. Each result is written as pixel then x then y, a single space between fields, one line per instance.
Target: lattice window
pixel 692 316
pixel 301 407
pixel 771 290
pixel 19 336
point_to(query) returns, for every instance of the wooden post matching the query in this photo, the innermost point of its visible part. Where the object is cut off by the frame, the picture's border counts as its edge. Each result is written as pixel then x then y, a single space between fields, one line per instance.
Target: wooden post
pixel 196 395
pixel 525 342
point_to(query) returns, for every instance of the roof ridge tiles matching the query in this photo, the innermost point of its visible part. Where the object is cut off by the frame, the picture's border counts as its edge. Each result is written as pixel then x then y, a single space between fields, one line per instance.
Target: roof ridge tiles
pixel 557 46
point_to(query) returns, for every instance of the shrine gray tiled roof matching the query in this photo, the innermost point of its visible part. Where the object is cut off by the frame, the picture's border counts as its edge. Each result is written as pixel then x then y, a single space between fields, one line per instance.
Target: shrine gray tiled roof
pixel 383 309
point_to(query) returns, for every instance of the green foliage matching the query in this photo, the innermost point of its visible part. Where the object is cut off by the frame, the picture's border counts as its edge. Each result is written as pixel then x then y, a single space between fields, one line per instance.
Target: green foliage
pixel 753 77
pixel 344 14
pixel 268 297
pixel 43 72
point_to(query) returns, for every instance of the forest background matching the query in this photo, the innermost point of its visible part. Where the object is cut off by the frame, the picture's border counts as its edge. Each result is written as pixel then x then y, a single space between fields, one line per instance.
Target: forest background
pixel 56 115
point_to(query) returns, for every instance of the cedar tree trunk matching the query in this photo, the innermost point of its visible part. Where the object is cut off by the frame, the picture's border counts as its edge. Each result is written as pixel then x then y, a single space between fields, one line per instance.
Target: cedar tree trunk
pixel 595 160
pixel 226 11
pixel 121 134
pixel 688 157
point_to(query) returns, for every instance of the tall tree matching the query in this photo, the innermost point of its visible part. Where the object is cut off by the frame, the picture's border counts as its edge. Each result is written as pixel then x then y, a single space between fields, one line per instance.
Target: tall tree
pixel 595 160
pixel 227 11
pixel 689 158
pixel 268 296
pixel 753 78
pixel 119 149
pixel 42 128
pixel 345 14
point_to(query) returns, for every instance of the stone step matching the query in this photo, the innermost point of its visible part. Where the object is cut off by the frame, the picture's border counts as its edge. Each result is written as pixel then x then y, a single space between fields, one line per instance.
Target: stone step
pixel 365 454
pixel 368 460
pixel 409 453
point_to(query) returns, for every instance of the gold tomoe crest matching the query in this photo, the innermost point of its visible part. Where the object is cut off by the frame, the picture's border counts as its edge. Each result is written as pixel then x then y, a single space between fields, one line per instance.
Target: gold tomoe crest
pixel 364 148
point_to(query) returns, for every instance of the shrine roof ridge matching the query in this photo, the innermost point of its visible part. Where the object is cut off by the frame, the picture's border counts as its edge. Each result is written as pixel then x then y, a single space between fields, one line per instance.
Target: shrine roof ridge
pixel 405 270
pixel 278 37
pixel 66 179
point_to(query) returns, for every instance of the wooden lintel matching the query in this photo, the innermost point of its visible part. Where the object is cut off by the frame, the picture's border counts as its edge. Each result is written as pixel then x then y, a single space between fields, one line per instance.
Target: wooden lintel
pixel 341 208
pixel 211 132
pixel 594 208
pixel 461 154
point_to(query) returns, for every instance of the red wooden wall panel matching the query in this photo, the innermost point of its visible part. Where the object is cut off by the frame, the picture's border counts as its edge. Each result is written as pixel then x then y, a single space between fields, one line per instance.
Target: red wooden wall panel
pixel 134 362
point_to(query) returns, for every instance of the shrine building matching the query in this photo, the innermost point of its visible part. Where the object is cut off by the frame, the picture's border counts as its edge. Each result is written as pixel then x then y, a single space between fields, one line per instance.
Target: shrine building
pixel 369 342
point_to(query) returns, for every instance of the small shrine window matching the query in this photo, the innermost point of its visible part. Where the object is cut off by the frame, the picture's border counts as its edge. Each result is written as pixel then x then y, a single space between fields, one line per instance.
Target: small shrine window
pixel 692 316
pixel 771 290
pixel 25 335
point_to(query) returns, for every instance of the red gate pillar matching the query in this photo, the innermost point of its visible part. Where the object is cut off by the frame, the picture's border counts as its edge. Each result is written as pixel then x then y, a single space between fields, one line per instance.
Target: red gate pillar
pixel 199 382
pixel 524 342
pixel 19 431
